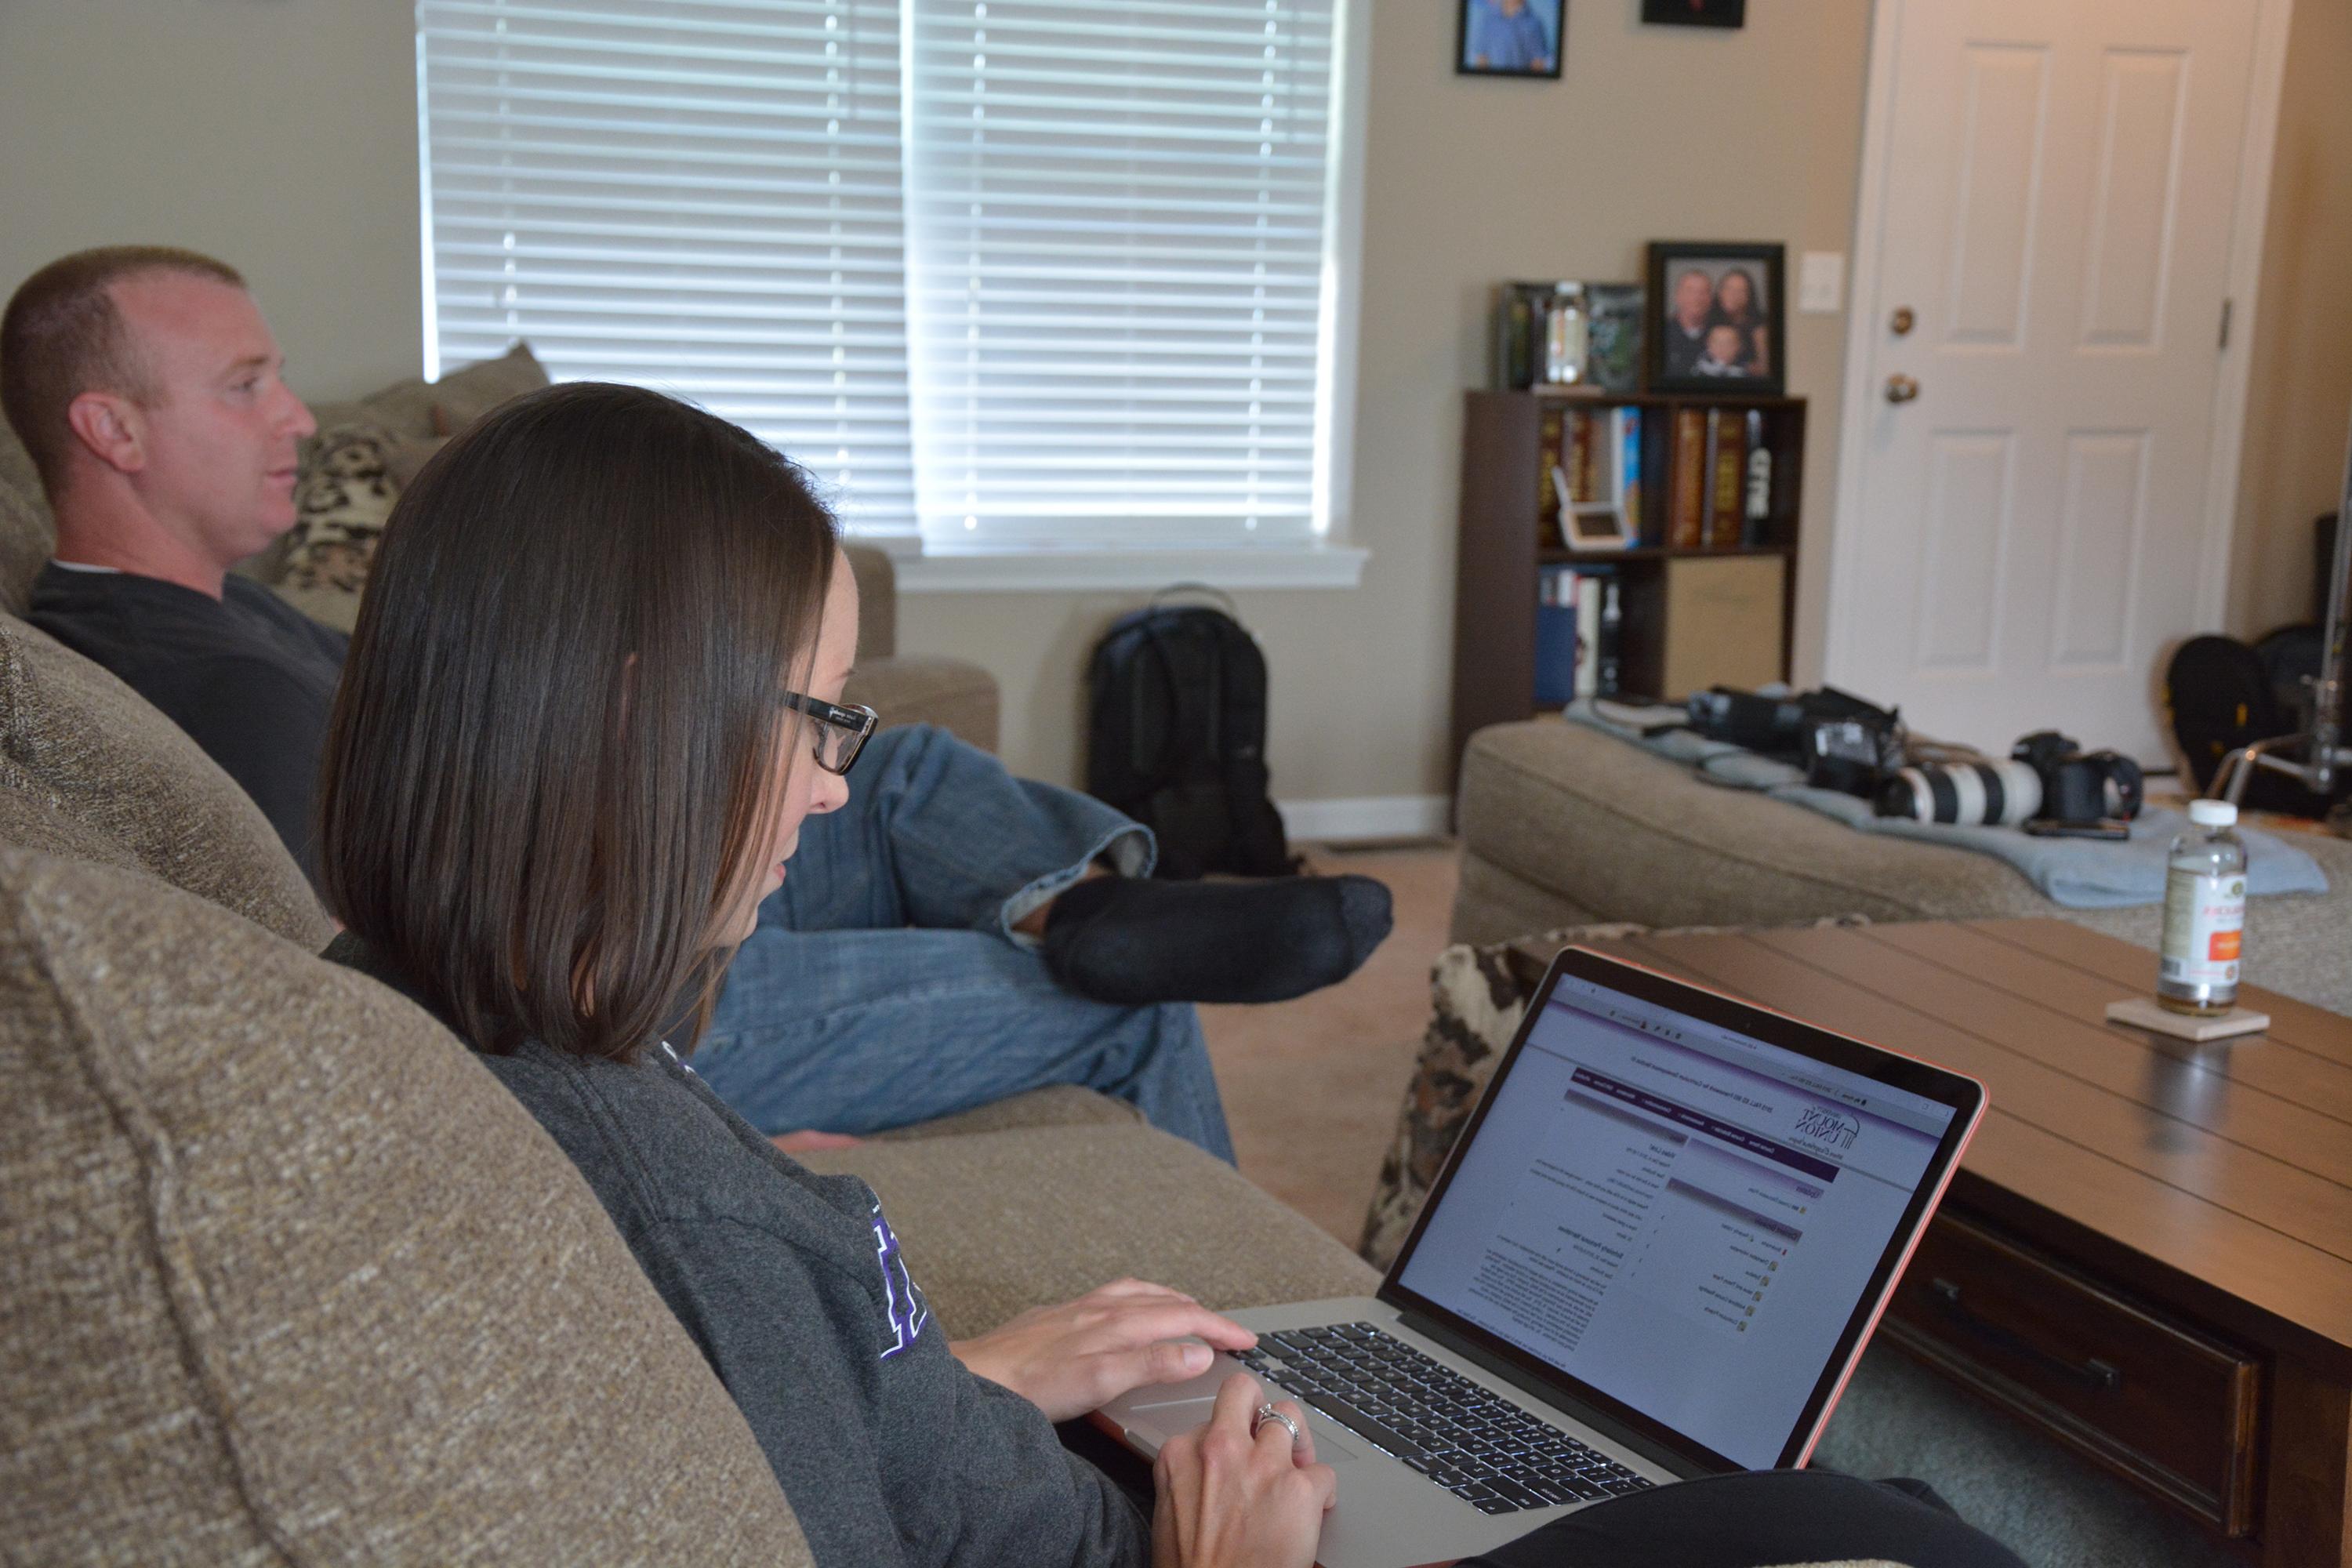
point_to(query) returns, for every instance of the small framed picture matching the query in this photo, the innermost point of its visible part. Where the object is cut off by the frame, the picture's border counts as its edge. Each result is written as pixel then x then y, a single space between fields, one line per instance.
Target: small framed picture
pixel 1715 320
pixel 1613 335
pixel 1510 37
pixel 1595 528
pixel 1696 13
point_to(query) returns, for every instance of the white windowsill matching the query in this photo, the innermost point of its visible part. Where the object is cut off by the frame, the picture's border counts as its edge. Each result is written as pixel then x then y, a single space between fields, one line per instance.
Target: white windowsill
pixel 931 570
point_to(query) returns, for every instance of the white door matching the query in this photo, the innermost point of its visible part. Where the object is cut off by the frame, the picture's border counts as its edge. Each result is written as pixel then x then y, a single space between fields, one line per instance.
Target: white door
pixel 2055 211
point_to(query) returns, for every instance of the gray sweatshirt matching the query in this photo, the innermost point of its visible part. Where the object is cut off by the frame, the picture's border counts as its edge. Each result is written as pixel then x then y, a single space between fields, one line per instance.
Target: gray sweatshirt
pixel 791 1283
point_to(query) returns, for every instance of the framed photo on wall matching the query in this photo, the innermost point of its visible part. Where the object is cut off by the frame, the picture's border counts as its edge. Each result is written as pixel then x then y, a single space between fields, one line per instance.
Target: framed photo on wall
pixel 1716 321
pixel 1695 12
pixel 1509 37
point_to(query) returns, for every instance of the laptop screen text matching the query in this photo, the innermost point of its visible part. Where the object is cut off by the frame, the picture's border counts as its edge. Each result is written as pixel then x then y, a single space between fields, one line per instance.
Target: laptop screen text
pixel 1681 1216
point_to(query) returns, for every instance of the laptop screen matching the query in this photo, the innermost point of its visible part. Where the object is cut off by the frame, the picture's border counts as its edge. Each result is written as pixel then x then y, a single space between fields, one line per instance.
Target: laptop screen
pixel 1676 1213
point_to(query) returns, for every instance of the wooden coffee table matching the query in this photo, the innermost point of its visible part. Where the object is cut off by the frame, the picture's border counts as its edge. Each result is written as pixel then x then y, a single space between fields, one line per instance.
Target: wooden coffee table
pixel 2148 1252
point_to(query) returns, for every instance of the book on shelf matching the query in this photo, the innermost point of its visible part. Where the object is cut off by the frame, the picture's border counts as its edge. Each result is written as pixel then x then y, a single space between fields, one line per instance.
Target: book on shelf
pixel 1686 524
pixel 1727 468
pixel 1550 438
pixel 1756 529
pixel 1625 440
pixel 1555 637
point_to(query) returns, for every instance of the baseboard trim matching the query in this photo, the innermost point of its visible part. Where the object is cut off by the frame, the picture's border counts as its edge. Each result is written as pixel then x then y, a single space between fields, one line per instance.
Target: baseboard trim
pixel 1366 816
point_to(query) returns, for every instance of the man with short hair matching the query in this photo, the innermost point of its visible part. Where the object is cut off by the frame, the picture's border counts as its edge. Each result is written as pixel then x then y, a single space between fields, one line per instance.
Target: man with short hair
pixel 953 936
pixel 150 395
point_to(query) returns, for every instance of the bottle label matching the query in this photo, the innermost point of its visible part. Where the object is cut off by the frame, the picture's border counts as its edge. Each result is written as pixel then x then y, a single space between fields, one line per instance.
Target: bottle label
pixel 2204 926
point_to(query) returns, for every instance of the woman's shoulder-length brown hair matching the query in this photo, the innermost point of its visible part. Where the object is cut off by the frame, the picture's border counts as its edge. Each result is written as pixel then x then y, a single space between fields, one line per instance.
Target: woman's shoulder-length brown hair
pixel 554 743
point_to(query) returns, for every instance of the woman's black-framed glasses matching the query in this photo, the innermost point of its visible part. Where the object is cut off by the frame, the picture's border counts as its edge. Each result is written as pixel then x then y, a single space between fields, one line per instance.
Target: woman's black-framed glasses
pixel 841 731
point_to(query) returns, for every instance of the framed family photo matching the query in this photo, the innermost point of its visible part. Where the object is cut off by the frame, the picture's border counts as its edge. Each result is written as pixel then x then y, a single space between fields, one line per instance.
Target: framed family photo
pixel 1717 323
pixel 1509 37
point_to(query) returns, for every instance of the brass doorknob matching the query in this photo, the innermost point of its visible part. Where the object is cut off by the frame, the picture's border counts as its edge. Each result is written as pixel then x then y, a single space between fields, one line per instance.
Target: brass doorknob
pixel 1902 320
pixel 1901 389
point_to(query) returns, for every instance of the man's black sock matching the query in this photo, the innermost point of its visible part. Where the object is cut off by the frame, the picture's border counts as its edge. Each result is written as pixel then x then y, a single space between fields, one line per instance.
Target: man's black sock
pixel 1135 941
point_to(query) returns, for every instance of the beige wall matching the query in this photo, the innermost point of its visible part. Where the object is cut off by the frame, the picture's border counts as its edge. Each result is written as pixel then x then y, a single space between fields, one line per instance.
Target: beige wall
pixel 279 135
pixel 1653 132
pixel 2299 397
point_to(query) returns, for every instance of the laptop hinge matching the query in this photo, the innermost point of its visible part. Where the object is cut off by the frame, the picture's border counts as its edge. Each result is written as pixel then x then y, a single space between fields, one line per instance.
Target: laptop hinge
pixel 1568 1404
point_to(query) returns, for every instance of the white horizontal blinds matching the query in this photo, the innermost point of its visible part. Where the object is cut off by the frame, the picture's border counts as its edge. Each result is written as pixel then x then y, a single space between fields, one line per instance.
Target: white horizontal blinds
pixel 1116 215
pixel 702 196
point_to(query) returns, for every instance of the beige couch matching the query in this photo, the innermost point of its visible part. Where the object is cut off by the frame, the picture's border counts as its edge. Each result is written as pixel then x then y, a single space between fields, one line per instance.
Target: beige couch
pixel 285 1274
pixel 1562 826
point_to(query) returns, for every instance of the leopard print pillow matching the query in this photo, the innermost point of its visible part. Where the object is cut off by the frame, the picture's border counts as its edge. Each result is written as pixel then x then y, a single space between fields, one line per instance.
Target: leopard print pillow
pixel 341 504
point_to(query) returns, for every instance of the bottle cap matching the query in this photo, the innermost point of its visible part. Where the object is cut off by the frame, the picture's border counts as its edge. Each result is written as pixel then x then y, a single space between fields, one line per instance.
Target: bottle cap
pixel 2212 812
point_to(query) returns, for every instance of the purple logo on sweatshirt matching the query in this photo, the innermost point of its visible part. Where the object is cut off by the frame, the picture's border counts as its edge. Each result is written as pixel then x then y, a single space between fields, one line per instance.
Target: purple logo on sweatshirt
pixel 907 1310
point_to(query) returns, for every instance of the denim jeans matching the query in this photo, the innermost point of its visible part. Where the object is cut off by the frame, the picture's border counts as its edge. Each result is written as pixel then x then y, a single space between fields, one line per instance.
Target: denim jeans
pixel 886 984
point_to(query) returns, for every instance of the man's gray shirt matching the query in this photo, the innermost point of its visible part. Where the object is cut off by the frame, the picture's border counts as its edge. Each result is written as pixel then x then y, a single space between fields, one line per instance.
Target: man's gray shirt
pixel 890 1452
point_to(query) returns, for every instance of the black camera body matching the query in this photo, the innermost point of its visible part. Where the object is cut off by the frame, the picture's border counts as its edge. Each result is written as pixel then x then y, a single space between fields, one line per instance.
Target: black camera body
pixel 1842 741
pixel 2075 783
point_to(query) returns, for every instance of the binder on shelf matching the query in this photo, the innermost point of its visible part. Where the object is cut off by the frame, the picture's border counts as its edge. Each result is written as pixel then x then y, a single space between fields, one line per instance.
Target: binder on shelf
pixel 1555 637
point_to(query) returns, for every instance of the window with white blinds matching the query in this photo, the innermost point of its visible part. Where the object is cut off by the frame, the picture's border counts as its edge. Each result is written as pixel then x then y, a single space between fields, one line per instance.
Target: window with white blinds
pixel 702 196
pixel 1072 290
pixel 1115 220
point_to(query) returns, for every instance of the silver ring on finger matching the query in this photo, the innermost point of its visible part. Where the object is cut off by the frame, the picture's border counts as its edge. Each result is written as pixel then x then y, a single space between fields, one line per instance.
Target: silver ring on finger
pixel 1266 1413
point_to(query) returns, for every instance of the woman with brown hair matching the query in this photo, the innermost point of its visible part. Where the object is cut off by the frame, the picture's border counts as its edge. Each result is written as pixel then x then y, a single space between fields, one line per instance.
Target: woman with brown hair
pixel 593 695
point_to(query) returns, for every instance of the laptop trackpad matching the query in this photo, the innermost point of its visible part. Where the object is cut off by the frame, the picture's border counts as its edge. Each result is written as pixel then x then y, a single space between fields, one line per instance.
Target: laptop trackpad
pixel 1179 1408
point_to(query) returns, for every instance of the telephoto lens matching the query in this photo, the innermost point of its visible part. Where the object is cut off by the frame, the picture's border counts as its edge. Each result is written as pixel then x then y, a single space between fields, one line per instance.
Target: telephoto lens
pixel 2001 794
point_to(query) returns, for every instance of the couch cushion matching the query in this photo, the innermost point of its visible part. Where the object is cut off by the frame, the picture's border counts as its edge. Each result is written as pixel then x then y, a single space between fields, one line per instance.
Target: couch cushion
pixel 88 769
pixel 956 694
pixel 995 1223
pixel 289 1276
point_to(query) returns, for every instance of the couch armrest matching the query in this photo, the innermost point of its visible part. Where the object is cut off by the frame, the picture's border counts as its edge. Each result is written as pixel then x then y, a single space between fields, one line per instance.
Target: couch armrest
pixel 877 602
pixel 925 689
pixel 993 1223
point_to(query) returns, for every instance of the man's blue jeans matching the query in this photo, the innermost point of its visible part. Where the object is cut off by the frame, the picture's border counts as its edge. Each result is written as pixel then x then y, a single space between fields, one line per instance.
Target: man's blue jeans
pixel 886 985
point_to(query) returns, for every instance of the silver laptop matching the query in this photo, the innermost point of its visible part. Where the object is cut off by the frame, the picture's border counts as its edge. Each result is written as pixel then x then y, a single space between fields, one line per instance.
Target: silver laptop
pixel 1655 1253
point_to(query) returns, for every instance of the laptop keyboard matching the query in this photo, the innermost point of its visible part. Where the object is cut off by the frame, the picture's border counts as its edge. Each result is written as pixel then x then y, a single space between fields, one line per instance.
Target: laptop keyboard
pixel 1484 1450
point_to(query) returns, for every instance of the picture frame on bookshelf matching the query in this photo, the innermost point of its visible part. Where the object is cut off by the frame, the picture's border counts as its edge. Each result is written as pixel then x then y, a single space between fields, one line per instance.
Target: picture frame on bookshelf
pixel 1510 37
pixel 1716 318
pixel 1595 528
pixel 1614 336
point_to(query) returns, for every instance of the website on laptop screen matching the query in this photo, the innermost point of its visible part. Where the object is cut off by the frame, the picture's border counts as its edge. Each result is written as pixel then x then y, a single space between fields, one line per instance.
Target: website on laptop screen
pixel 1677 1213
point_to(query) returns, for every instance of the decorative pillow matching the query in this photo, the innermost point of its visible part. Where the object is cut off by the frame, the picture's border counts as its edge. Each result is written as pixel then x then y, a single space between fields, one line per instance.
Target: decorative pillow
pixel 463 395
pixel 341 505
pixel 1477 1000
pixel 286 1277
pixel 405 459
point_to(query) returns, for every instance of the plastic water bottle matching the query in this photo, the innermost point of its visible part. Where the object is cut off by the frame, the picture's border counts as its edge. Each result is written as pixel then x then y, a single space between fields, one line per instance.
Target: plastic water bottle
pixel 2204 913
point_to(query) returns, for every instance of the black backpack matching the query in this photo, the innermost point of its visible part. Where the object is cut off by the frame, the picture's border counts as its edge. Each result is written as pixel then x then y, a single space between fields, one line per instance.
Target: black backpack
pixel 2224 694
pixel 1176 738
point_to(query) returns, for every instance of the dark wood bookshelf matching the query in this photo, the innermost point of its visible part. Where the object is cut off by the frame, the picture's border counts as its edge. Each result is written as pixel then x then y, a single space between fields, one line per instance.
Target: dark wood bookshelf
pixel 1502 544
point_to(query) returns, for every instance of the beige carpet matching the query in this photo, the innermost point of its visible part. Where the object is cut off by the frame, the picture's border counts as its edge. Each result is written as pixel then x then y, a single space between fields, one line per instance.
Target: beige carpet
pixel 1312 1086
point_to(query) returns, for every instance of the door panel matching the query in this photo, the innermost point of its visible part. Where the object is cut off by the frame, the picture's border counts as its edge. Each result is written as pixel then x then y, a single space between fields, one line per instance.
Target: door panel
pixel 2055 213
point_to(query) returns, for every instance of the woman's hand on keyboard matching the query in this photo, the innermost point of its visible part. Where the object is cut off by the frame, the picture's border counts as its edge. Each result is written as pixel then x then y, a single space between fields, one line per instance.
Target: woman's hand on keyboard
pixel 1230 1498
pixel 1127 1334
